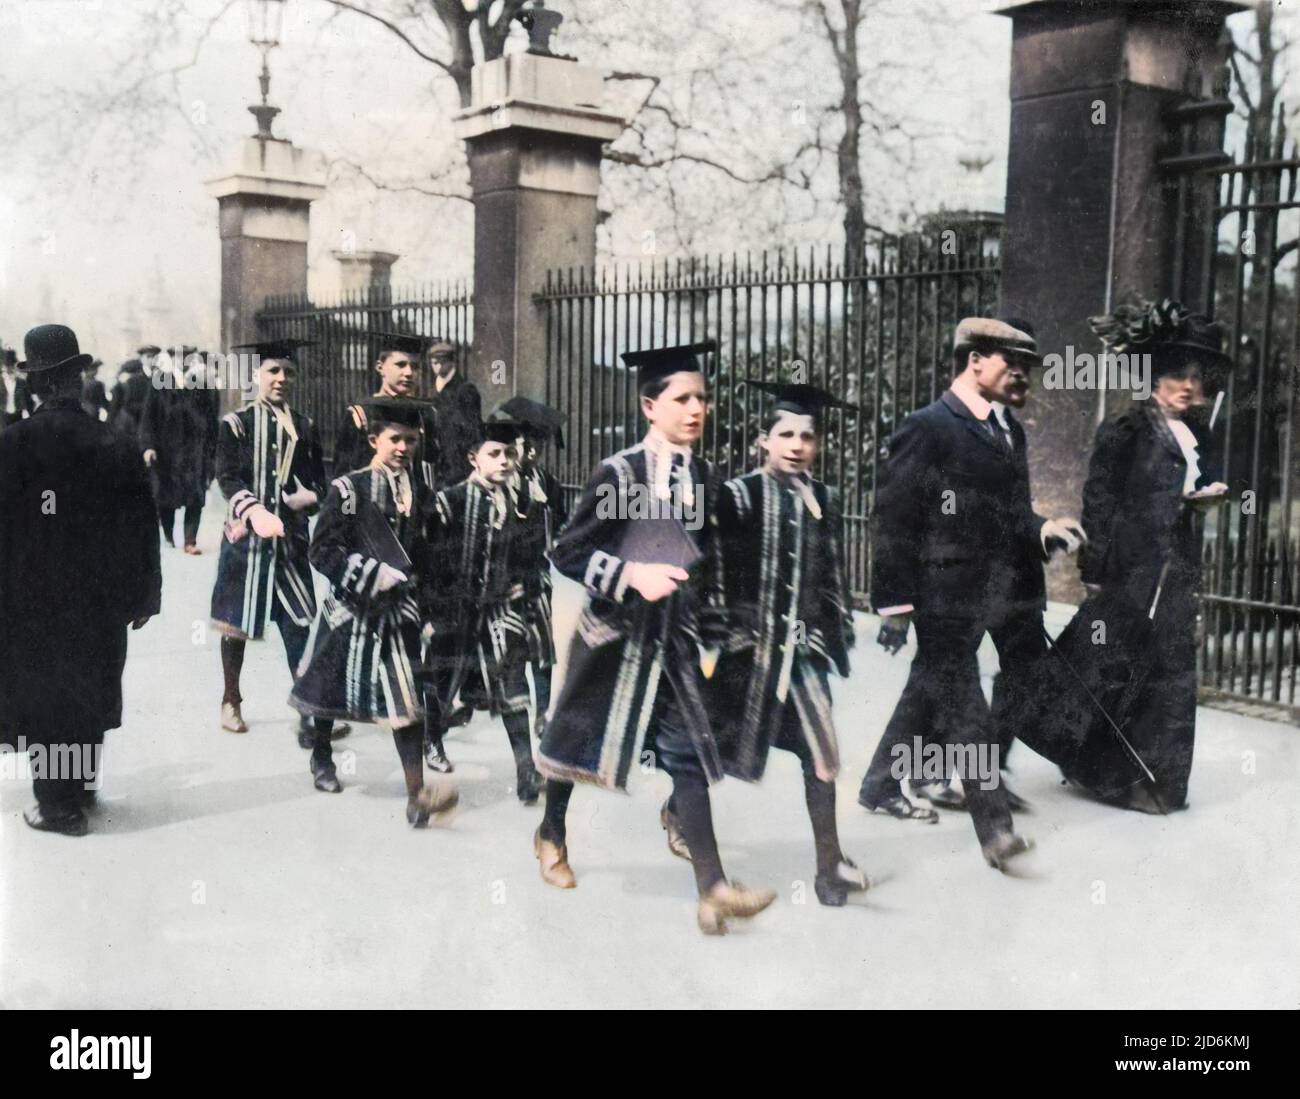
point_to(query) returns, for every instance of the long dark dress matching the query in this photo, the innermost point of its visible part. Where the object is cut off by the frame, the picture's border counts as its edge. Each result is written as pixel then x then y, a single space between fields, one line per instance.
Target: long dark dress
pixel 1141 537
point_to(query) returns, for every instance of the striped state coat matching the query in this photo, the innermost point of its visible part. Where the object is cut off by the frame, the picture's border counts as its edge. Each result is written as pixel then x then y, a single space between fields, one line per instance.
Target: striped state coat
pixel 788 621
pixel 542 508
pixel 491 617
pixel 626 650
pixel 352 449
pixel 256 458
pixel 363 660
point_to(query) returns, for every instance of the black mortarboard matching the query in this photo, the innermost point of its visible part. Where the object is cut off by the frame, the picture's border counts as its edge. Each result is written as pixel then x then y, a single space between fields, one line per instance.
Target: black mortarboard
pixel 394 410
pixel 660 362
pixel 500 431
pixel 285 348
pixel 800 398
pixel 398 341
pixel 534 417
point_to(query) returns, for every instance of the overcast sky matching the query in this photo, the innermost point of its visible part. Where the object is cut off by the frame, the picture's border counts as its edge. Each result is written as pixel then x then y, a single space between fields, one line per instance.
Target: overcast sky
pixel 103 220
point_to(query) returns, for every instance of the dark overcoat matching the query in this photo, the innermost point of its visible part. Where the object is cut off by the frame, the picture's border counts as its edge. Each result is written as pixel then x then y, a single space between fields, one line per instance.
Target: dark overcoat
pixel 126 405
pixel 459 410
pixel 180 425
pixel 363 660
pixel 788 621
pixel 256 459
pixel 954 527
pixel 78 562
pixel 627 650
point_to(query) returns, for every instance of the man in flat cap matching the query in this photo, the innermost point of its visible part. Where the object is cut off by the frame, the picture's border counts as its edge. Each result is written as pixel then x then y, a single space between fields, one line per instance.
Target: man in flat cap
pixel 960 552
pixel 459 409
pixel 134 381
pixel 78 565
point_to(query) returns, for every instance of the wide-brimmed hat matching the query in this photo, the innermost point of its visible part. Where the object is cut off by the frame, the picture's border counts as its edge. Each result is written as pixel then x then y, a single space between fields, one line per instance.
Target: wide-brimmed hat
pixel 49 346
pixel 988 335
pixel 1167 331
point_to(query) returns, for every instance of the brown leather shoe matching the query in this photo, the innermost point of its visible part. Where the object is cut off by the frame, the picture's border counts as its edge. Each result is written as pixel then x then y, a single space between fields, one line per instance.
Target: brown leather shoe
pixel 676 841
pixel 730 899
pixel 554 861
pixel 433 800
pixel 231 719
pixel 193 550
pixel 998 852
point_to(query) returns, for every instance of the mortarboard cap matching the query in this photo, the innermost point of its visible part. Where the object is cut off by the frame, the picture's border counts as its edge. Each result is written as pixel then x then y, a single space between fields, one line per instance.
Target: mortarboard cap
pixel 286 348
pixel 394 410
pixel 534 417
pixel 398 341
pixel 500 431
pixel 800 398
pixel 659 362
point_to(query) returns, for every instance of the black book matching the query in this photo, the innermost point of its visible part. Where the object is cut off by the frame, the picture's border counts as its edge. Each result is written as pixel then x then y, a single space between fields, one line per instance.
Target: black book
pixel 378 540
pixel 661 540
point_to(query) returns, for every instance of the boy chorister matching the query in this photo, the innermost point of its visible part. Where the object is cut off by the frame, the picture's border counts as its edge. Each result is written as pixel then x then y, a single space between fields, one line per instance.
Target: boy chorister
pixel 397 367
pixel 541 508
pixel 364 662
pixel 270 470
pixel 487 625
pixel 638 542
pixel 789 622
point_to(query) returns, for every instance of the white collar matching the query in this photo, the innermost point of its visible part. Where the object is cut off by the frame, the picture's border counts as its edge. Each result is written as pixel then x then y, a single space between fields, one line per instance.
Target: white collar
pixel 970 397
pixel 657 441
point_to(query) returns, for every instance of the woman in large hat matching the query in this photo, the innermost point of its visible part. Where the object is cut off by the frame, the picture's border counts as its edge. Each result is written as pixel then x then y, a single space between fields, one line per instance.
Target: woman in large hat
pixel 1128 710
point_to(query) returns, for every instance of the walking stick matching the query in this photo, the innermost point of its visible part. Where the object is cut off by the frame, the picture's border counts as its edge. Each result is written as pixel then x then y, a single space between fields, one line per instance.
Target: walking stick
pixel 1147 776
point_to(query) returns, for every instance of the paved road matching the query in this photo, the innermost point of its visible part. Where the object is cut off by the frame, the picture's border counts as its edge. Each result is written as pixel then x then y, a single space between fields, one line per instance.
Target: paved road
pixel 216 876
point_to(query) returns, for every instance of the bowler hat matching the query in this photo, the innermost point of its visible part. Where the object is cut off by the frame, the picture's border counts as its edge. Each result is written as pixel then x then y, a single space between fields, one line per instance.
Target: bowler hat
pixel 49 346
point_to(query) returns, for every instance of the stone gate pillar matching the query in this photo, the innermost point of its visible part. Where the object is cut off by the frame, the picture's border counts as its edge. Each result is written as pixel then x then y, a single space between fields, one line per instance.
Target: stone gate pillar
pixel 1090 216
pixel 533 131
pixel 264 208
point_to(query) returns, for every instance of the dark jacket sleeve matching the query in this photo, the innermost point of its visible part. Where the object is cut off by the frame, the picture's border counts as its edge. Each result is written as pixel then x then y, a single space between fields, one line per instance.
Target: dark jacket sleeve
pixel 138 537
pixel 230 466
pixel 1102 493
pixel 313 466
pixel 586 550
pixel 150 421
pixel 906 490
pixel 346 457
pixel 839 605
pixel 335 552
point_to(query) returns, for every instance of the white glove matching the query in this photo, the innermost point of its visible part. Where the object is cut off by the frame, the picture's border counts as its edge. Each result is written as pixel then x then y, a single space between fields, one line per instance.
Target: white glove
pixel 264 524
pixel 300 497
pixel 1064 531
pixel 150 456
pixel 388 578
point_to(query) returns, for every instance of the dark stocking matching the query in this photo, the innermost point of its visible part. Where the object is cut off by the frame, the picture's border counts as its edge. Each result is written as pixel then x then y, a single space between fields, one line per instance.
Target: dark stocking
pixel 232 663
pixel 690 802
pixel 558 793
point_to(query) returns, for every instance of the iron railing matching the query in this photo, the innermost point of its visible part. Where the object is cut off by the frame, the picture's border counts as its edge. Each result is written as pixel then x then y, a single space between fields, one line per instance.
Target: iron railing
pixel 339 369
pixel 875 332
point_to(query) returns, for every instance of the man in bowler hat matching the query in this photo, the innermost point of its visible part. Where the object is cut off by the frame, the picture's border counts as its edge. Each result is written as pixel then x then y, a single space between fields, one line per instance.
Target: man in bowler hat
pixel 78 565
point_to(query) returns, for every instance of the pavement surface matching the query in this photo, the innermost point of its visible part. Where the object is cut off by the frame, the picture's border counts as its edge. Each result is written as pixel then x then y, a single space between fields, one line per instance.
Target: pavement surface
pixel 216 876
